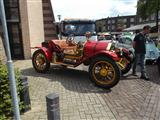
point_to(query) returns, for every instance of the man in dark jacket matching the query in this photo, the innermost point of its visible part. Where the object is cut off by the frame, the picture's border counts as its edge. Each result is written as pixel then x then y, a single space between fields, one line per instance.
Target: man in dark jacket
pixel 139 45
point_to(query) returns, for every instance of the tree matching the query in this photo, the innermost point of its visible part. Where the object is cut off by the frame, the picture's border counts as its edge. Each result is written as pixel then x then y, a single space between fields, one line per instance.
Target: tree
pixel 147 7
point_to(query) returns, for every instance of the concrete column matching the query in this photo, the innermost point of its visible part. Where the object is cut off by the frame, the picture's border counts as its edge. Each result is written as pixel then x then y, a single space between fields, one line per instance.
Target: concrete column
pixel 32 25
pixel 53 111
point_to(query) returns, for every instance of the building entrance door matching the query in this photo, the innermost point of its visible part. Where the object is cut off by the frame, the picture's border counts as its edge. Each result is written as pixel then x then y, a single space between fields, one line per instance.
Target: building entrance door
pixel 15 39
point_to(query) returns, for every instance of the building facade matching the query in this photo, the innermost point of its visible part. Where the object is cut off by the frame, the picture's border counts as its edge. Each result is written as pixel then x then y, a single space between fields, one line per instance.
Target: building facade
pixel 29 23
pixel 115 24
pixel 151 18
pixel 101 25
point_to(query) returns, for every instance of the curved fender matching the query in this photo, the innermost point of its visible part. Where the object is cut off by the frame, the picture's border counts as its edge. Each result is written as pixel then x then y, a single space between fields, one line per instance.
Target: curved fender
pixel 111 54
pixel 47 53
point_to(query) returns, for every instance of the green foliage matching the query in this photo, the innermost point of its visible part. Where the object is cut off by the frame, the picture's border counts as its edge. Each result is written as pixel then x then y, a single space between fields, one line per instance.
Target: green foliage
pixel 2 117
pixel 147 7
pixel 5 95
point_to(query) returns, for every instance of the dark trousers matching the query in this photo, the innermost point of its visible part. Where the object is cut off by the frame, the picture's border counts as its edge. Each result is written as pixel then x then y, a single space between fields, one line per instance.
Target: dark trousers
pixel 139 59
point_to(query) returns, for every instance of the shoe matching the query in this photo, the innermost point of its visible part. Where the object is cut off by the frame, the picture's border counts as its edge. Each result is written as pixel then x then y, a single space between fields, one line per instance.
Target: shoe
pixel 144 77
pixel 134 74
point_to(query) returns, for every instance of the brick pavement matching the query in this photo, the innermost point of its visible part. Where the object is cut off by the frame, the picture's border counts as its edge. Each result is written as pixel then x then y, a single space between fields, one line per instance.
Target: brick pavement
pixel 131 99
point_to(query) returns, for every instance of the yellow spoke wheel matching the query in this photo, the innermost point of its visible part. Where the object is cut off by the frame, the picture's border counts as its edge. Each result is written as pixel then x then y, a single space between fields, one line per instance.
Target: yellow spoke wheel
pixel 104 72
pixel 40 62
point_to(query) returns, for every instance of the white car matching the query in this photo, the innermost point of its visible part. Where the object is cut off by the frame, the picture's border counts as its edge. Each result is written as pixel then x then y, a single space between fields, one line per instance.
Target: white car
pixel 152 52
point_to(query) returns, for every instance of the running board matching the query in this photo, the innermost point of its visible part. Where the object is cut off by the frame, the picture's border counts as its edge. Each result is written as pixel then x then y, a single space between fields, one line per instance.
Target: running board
pixel 66 64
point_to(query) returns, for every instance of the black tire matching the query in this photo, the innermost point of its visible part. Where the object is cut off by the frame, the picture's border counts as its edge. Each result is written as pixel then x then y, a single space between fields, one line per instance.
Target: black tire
pixel 104 82
pixel 44 66
pixel 64 66
pixel 127 68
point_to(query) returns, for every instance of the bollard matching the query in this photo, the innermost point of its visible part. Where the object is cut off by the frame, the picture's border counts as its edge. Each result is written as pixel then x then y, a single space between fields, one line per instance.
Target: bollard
pixel 52 101
pixel 24 95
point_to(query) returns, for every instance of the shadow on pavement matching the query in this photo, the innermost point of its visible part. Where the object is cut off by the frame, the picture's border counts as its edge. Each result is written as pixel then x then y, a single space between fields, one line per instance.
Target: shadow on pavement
pixel 71 79
pixel 152 73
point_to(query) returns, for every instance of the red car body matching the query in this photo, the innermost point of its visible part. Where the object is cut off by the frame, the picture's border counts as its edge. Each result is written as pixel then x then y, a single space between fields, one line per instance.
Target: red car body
pixel 102 59
pixel 91 49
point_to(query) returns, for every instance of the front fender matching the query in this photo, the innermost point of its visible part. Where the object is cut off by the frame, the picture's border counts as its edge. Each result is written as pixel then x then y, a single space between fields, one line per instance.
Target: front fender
pixel 109 54
pixel 47 53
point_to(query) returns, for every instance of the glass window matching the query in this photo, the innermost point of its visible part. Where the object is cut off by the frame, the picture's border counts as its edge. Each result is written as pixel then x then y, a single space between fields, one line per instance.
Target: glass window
pixel 104 28
pixel 113 21
pixel 17 51
pixel 140 19
pixel 128 41
pixel 147 19
pixel 14 33
pixel 113 27
pixel 79 28
pixel 124 26
pixel 12 14
pixel 11 3
pixel 109 21
pixel 153 17
pixel 132 19
pixel 124 20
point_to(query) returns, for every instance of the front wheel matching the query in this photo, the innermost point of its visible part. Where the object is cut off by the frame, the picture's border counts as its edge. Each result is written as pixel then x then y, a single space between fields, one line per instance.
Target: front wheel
pixel 104 72
pixel 40 62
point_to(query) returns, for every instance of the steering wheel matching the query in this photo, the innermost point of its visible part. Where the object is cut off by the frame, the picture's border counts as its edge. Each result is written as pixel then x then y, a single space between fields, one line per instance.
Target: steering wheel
pixel 70 40
pixel 80 44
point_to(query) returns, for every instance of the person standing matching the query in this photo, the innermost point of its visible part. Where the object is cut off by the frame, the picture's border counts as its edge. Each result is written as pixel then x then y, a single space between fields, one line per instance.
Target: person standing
pixel 139 45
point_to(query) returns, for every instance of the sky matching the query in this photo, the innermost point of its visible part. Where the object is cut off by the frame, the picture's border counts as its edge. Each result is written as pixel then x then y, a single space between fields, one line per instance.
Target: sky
pixel 93 9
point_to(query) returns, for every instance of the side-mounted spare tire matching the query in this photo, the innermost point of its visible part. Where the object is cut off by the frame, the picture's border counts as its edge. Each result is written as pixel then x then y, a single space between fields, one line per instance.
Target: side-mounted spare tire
pixel 40 62
pixel 104 72
pixel 128 63
pixel 127 68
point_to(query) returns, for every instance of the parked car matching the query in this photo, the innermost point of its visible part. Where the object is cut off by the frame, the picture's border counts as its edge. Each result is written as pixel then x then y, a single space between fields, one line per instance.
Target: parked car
pixel 104 60
pixel 104 36
pixel 152 52
pixel 109 38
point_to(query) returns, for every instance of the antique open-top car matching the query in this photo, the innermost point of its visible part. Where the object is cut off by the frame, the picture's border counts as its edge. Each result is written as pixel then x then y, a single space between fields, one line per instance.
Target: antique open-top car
pixel 104 60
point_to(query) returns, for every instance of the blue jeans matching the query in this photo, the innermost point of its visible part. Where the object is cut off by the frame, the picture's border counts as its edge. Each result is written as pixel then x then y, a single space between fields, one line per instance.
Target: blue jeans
pixel 139 59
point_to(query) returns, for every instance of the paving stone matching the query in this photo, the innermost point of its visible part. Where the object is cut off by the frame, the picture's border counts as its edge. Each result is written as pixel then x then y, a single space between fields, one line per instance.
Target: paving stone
pixel 132 98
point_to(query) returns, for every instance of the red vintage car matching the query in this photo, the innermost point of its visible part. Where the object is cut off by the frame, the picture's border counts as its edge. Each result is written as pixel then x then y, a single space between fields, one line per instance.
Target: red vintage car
pixel 104 61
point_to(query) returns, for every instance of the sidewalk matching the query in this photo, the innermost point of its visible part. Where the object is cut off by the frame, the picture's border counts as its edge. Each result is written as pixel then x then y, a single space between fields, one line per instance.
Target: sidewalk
pixel 131 99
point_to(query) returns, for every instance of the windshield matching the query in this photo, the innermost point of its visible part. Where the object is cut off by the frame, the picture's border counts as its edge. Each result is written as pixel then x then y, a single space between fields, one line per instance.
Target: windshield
pixel 79 29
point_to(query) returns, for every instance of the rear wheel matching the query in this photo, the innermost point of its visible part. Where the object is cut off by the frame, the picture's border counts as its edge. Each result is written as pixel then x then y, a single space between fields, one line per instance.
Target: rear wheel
pixel 40 62
pixel 104 72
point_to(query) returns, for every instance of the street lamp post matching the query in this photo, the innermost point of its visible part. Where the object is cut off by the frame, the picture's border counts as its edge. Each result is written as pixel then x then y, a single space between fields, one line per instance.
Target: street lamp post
pixel 59 35
pixel 9 64
pixel 59 17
